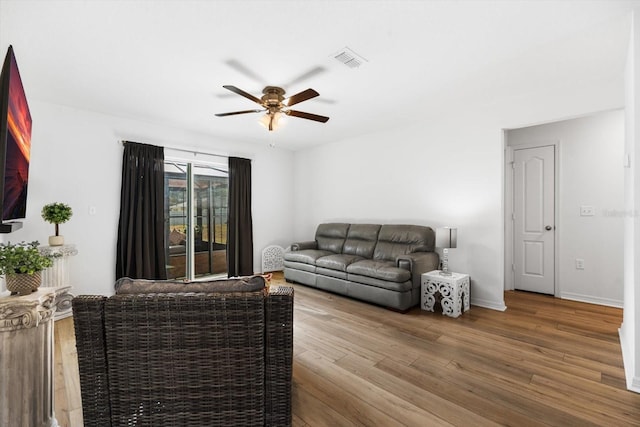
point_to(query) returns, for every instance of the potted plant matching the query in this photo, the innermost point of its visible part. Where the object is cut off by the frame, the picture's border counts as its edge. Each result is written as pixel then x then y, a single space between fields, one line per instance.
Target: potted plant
pixel 21 265
pixel 56 213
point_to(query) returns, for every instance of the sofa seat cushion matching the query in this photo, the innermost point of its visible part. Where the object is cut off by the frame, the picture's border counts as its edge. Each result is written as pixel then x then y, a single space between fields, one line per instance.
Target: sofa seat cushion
pixel 384 270
pixel 338 262
pixel 326 272
pixel 358 282
pixel 306 256
pixel 299 266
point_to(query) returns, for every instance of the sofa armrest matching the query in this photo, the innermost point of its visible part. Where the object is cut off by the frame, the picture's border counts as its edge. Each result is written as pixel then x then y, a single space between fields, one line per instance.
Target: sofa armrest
pixel 279 355
pixel 298 246
pixel 418 263
pixel 88 322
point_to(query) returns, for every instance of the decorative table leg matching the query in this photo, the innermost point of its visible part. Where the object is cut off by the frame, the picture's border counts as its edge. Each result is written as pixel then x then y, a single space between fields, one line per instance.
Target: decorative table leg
pixel 429 297
pixel 448 301
pixel 457 303
pixel 465 294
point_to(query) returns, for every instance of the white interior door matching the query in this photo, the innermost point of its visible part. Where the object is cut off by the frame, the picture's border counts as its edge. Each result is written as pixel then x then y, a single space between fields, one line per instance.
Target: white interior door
pixel 533 219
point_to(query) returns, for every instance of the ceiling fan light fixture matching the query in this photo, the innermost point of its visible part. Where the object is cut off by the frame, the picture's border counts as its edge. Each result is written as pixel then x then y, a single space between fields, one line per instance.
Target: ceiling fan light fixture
pixel 271 120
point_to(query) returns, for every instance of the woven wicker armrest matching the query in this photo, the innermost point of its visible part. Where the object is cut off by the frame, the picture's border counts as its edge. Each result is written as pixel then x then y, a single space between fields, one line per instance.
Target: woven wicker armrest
pixel 88 314
pixel 279 355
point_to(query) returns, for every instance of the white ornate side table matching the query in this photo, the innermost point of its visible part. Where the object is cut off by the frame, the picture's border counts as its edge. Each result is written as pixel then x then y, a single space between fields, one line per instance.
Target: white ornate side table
pixel 26 359
pixel 272 258
pixel 57 276
pixel 453 291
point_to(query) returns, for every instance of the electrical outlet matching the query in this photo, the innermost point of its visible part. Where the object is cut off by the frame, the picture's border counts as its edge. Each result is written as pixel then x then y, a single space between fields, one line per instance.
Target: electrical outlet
pixel 92 210
pixel 579 264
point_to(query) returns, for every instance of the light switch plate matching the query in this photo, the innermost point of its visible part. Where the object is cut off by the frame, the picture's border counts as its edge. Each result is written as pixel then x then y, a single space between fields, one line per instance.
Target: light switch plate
pixel 587 211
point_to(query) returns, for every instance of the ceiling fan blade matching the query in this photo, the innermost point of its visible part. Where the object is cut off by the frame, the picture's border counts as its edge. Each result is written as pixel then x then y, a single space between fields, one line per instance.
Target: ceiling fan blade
pixel 243 93
pixel 307 116
pixel 307 75
pixel 241 68
pixel 302 96
pixel 238 112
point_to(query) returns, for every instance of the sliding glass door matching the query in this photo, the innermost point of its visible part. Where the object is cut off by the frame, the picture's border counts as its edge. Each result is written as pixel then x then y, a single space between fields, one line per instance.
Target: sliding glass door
pixel 196 219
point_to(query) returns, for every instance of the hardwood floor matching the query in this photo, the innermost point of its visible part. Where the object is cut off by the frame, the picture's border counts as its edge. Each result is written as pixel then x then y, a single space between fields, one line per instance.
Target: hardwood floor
pixel 542 362
pixel 67 401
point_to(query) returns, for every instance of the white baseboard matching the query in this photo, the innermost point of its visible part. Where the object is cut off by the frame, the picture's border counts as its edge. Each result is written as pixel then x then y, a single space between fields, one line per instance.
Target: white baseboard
pixel 592 300
pixel 633 381
pixel 493 305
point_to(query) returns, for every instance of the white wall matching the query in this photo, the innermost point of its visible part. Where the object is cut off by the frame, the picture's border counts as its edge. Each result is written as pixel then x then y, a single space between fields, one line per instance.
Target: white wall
pixel 630 328
pixel 446 170
pixel 591 173
pixel 76 159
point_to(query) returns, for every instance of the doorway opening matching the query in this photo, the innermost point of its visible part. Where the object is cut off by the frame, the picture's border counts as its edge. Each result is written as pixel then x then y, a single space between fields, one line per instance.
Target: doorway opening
pixel 533 217
pixel 588 216
pixel 196 205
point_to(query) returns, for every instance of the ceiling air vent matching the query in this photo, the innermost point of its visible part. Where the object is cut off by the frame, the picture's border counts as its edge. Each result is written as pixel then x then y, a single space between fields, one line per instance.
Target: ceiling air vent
pixel 349 58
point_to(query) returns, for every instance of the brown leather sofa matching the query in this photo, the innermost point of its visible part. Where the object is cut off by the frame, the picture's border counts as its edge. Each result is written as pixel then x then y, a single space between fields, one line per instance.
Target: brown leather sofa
pixel 381 264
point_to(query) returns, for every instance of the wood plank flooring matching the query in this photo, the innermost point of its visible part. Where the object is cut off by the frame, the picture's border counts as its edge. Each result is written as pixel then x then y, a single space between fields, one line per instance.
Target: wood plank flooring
pixel 543 362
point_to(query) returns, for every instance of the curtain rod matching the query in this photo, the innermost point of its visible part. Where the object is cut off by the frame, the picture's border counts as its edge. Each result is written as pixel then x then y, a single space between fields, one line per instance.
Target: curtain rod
pixel 122 141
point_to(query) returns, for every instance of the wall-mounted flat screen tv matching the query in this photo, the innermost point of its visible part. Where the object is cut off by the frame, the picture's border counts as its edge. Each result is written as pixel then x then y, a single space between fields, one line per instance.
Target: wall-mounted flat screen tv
pixel 15 141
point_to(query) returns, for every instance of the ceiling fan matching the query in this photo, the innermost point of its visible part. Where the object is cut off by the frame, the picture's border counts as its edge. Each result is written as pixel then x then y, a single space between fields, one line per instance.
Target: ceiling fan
pixel 275 104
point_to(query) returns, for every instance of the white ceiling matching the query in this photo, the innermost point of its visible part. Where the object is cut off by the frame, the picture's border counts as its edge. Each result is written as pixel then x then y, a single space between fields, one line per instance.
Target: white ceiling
pixel 166 61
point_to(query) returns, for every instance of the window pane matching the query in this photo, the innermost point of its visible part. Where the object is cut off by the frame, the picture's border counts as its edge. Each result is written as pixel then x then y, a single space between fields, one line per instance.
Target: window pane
pixel 209 233
pixel 176 219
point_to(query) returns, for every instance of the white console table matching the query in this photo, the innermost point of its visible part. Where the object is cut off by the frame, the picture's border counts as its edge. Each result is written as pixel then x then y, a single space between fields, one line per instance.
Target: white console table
pixel 57 276
pixel 26 359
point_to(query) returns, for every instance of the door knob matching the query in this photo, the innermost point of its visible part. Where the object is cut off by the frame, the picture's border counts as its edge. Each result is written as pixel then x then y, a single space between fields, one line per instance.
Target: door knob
pixel 548 227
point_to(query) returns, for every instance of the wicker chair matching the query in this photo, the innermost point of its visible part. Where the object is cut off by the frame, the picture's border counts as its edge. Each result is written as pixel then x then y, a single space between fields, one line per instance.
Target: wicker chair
pixel 203 358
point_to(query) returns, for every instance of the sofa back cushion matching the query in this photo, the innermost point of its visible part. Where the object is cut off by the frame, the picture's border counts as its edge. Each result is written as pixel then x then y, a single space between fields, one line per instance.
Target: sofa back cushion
pixel 331 237
pixel 127 285
pixel 395 240
pixel 361 240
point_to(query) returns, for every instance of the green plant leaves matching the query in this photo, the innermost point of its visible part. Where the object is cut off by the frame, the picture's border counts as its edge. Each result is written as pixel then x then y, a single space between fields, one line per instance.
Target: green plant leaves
pixel 56 213
pixel 23 258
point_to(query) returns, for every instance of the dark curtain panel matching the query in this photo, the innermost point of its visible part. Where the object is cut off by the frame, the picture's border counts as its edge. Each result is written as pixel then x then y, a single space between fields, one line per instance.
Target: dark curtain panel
pixel 239 224
pixel 140 251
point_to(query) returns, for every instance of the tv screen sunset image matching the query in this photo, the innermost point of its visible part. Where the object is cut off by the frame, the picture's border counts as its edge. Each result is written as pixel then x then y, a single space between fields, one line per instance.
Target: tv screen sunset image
pixel 18 148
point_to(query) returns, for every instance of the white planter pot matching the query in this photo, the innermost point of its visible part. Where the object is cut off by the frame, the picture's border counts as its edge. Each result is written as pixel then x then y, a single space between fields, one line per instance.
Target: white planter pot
pixel 56 240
